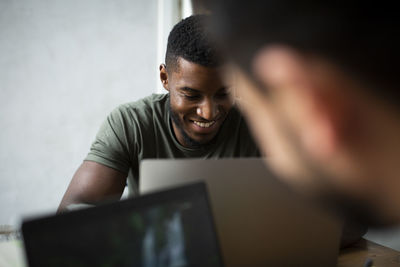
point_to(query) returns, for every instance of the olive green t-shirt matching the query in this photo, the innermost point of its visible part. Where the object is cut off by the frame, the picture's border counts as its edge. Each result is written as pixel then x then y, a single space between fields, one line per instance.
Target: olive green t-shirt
pixel 142 129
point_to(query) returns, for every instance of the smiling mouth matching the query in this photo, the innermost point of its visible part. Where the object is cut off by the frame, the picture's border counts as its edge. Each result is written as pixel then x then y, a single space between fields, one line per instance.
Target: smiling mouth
pixel 204 124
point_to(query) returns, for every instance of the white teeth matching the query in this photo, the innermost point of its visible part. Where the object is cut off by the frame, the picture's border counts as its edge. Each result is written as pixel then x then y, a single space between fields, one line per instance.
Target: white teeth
pixel 204 124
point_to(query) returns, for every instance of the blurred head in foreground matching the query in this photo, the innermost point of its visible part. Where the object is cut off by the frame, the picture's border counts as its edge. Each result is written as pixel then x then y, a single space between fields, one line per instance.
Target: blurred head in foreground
pixel 318 83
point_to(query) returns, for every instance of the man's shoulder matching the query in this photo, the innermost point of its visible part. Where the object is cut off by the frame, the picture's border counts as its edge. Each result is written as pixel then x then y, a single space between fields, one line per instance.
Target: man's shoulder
pixel 154 101
pixel 151 106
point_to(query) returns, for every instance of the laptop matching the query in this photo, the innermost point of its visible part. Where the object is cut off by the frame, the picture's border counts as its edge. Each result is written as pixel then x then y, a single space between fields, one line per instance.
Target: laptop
pixel 259 220
pixel 168 228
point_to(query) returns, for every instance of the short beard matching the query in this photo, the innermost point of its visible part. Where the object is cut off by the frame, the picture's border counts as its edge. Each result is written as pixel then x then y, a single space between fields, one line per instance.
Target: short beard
pixel 190 142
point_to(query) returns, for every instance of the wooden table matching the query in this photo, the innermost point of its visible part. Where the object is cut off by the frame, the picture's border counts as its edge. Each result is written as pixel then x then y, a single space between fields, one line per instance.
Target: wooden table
pixel 11 254
pixel 357 255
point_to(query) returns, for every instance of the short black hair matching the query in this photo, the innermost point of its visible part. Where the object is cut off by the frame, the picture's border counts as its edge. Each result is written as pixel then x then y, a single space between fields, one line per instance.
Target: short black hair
pixel 360 37
pixel 190 40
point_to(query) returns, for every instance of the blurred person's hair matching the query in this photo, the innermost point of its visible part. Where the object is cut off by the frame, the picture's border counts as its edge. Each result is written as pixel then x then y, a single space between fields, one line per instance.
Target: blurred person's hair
pixel 362 38
pixel 189 40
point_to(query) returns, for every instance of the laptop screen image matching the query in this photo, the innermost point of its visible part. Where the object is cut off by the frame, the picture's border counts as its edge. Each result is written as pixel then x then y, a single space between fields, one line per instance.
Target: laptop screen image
pixel 168 228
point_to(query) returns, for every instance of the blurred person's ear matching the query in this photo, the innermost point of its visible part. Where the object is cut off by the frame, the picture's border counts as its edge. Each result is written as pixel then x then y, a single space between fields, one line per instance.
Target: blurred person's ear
pixel 310 95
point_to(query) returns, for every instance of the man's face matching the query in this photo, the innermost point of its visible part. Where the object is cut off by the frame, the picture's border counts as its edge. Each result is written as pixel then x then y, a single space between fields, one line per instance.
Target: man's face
pixel 199 101
pixel 320 132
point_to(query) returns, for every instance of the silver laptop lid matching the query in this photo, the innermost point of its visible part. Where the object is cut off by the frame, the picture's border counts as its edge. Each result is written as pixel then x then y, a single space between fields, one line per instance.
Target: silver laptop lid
pixel 259 220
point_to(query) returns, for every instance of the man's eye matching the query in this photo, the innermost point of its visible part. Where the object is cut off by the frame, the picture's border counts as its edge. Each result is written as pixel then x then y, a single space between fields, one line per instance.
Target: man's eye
pixel 222 95
pixel 192 97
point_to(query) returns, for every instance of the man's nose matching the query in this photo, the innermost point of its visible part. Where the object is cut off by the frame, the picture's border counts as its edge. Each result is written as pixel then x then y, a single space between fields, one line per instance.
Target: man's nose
pixel 208 110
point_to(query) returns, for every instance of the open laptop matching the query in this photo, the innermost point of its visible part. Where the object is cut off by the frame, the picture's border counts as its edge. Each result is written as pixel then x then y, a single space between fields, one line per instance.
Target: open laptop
pixel 169 228
pixel 259 220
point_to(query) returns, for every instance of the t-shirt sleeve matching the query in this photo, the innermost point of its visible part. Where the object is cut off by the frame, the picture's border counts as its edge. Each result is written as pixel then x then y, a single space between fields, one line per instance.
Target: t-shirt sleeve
pixel 114 144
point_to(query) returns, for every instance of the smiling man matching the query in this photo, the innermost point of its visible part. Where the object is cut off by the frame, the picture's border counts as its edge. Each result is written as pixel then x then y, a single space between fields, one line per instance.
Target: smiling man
pixel 199 101
pixel 196 118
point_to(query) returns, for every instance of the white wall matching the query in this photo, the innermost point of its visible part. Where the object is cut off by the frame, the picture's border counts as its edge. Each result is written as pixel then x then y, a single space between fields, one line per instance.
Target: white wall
pixel 64 65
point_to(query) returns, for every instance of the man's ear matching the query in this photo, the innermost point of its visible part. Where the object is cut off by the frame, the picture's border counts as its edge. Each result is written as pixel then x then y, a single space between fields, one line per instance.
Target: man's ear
pixel 164 76
pixel 308 96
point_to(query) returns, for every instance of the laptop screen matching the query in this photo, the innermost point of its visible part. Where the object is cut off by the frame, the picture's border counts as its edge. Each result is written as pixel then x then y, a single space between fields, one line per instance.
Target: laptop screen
pixel 168 228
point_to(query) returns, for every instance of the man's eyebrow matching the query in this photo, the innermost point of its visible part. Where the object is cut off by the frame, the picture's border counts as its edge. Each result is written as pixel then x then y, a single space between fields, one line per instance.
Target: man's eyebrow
pixel 190 90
